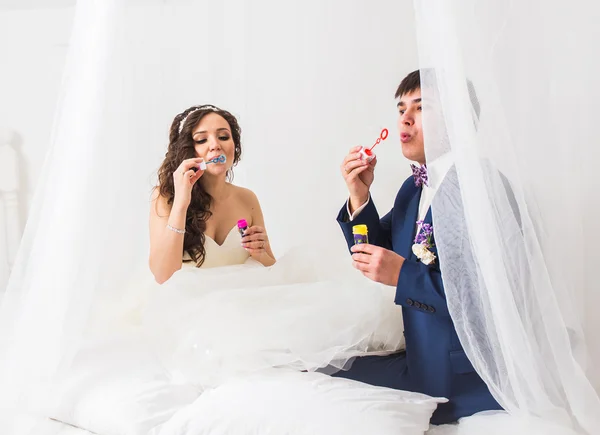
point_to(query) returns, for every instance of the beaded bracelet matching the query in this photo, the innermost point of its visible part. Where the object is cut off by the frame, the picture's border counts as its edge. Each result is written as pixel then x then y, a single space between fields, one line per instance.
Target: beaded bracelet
pixel 177 230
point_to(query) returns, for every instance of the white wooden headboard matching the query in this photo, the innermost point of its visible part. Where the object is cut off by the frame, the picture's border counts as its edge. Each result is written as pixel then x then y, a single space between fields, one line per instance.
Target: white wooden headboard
pixel 10 226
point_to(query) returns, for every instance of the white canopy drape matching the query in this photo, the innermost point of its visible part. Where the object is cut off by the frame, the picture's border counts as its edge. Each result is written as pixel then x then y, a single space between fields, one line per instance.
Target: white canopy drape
pixel 514 217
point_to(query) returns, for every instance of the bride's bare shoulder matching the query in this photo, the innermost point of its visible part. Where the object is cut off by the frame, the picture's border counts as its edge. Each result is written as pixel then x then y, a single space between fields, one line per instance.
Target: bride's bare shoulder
pixel 246 196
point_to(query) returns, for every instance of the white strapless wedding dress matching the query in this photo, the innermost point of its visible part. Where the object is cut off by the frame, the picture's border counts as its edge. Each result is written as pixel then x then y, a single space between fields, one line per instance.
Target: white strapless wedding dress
pixel 229 253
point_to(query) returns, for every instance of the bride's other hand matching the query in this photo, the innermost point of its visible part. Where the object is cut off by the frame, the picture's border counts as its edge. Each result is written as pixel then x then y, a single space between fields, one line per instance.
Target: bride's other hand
pixel 184 179
pixel 256 242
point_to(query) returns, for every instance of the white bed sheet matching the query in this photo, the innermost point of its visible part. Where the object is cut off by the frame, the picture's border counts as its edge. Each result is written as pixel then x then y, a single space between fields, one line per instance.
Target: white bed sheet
pixel 488 423
pixel 499 424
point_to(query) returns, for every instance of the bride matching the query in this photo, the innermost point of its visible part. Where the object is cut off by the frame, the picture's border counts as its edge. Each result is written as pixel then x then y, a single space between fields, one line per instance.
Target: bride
pixel 194 211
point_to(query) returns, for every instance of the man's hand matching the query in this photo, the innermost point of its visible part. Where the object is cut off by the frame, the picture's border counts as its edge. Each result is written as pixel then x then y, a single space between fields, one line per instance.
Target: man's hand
pixel 358 175
pixel 377 264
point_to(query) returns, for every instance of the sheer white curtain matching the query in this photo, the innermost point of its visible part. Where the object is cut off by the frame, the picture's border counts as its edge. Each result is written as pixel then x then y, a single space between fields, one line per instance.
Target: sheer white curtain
pixel 307 80
pixel 515 219
pixel 43 311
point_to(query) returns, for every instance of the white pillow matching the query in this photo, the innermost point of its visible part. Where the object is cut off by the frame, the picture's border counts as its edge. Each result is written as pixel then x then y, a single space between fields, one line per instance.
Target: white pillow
pixel 119 388
pixel 281 402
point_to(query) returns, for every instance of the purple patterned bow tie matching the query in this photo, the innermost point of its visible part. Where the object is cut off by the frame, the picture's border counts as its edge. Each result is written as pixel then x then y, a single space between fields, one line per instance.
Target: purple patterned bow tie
pixel 420 175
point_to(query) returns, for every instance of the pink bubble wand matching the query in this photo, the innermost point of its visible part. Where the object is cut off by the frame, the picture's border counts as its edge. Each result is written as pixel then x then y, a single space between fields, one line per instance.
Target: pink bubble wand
pixel 367 153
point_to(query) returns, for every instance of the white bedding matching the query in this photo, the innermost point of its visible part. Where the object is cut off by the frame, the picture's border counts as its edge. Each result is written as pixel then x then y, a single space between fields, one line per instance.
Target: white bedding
pixel 274 402
pixel 284 402
pixel 206 328
pixel 119 387
pixel 126 401
pixel 220 353
pixel 492 424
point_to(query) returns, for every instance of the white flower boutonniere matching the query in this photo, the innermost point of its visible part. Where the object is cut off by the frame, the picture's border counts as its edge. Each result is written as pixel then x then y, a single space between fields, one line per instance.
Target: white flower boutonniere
pixel 423 243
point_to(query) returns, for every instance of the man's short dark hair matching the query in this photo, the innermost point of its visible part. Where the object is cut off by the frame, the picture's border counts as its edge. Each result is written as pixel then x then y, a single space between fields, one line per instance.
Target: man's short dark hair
pixel 412 82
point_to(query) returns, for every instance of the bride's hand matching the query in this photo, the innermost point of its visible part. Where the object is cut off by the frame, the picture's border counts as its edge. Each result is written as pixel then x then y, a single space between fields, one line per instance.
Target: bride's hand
pixel 255 241
pixel 184 179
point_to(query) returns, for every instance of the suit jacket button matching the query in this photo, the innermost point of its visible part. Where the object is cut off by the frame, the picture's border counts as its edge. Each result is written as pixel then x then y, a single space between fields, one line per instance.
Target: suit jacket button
pixel 417 305
pixel 431 309
pixel 410 302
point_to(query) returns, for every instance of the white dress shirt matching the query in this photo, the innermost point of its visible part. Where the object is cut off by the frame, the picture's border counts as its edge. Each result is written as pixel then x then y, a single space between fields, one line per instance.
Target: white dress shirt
pixel 436 171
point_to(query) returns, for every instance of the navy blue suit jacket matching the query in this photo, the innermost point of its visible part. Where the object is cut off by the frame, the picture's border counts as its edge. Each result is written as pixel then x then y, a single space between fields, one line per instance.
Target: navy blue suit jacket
pixel 436 363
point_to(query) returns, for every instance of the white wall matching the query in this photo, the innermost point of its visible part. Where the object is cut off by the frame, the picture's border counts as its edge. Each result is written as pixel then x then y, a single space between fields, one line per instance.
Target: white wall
pixel 338 67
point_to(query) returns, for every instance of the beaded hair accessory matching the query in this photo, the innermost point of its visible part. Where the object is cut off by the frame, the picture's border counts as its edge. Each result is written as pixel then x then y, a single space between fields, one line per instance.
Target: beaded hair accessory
pixel 205 107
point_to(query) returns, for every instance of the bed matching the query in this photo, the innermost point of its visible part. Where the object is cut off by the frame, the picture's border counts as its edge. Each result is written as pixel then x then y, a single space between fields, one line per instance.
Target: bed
pixel 139 399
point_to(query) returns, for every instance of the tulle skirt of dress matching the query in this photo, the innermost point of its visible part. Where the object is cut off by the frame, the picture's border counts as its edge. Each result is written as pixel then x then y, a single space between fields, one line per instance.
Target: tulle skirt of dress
pixel 304 313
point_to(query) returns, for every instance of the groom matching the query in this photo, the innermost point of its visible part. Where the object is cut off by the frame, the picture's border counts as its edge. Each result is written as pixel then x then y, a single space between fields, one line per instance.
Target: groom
pixel 434 362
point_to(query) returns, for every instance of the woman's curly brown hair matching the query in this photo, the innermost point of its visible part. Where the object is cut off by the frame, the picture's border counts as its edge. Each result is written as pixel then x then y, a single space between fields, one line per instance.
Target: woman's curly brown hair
pixel 182 147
